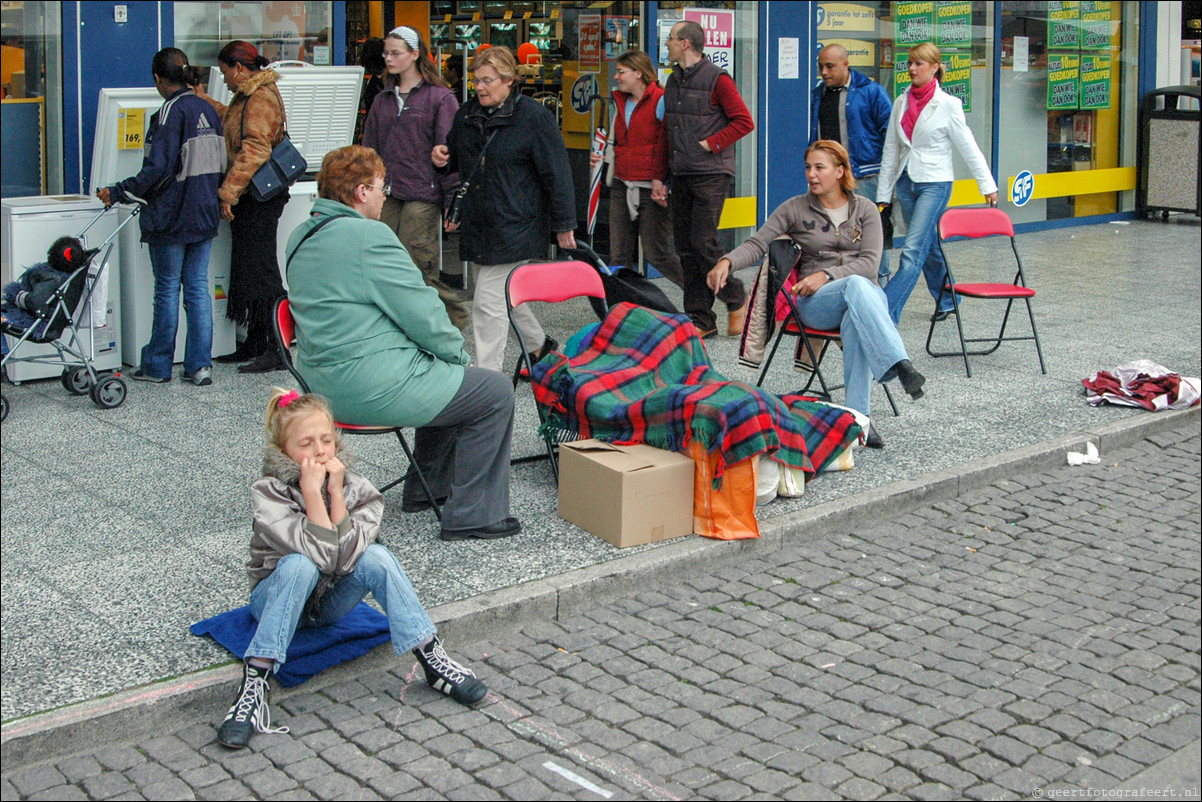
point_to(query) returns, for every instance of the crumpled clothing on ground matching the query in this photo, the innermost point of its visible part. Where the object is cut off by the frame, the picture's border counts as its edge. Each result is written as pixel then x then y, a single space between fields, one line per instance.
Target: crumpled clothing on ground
pixel 1143 383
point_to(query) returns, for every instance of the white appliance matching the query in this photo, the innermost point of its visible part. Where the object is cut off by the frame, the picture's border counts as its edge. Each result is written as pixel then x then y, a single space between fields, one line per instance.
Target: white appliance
pixel 321 104
pixel 30 226
pixel 302 194
pixel 115 156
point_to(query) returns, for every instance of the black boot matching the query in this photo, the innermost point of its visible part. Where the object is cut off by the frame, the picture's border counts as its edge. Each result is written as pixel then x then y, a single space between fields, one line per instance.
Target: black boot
pixel 263 363
pixel 911 380
pixel 872 439
pixel 446 676
pixel 243 353
pixel 250 712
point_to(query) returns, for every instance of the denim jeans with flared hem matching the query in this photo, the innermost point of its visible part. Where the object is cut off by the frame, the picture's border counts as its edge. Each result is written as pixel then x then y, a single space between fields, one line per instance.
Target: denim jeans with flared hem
pixel 921 205
pixel 871 345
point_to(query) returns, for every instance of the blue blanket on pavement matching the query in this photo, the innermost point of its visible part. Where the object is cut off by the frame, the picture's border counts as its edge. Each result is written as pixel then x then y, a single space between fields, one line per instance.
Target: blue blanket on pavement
pixel 313 649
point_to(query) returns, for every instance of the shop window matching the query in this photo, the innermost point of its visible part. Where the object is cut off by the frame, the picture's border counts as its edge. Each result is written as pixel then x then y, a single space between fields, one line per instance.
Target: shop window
pixel 31 61
pixel 282 31
pixel 1068 72
pixel 877 37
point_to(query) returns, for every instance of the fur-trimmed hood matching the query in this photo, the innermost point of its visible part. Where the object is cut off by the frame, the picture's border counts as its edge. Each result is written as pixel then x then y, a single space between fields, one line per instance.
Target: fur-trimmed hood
pixel 278 465
pixel 255 122
pixel 258 79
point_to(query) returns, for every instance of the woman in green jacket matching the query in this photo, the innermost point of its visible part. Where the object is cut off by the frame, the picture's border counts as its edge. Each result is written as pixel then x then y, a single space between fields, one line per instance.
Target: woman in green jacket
pixel 376 341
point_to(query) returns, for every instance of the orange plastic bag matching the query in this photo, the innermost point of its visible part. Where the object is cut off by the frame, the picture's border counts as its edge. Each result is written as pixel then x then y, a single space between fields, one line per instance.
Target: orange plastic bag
pixel 729 513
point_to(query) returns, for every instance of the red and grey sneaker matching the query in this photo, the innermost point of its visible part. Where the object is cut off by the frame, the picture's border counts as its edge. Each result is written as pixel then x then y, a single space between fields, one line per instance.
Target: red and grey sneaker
pixel 447 676
pixel 250 712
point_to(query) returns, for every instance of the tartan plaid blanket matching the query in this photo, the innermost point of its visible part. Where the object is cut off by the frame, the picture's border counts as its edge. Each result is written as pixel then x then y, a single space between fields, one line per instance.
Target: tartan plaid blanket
pixel 645 378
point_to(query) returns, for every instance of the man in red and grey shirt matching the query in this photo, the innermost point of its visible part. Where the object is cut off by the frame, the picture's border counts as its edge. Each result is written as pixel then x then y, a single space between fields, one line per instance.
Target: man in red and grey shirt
pixel 705 116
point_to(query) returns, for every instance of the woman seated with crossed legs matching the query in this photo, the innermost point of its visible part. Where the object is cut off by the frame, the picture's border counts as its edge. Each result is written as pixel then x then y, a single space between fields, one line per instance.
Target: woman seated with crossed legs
pixel 833 285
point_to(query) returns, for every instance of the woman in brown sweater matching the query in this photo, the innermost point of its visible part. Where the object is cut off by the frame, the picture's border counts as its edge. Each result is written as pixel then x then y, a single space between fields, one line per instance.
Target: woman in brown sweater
pixel 254 124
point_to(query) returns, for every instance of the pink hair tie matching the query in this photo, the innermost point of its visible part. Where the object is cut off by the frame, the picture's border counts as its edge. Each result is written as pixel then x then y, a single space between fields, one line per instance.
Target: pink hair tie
pixel 287 398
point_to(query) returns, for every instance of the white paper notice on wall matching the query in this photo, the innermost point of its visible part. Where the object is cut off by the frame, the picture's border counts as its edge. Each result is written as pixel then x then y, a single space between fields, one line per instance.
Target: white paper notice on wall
pixel 1021 53
pixel 789 57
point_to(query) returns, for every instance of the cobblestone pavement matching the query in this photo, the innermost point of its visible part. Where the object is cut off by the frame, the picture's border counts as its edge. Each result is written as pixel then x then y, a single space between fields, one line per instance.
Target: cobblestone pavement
pixel 1041 633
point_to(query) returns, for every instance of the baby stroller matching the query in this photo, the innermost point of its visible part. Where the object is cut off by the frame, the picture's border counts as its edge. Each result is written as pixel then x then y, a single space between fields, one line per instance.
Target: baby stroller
pixel 627 285
pixel 56 323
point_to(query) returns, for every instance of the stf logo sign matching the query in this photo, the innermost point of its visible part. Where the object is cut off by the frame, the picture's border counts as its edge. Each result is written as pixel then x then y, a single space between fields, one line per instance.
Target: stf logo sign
pixel 1023 188
pixel 583 92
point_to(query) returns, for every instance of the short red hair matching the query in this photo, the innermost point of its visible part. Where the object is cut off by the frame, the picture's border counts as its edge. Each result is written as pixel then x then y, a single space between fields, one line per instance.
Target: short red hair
pixel 344 169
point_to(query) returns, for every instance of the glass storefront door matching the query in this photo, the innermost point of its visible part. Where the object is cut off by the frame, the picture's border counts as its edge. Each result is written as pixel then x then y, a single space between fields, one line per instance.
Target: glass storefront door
pixel 1068 105
pixel 282 31
pixel 31 51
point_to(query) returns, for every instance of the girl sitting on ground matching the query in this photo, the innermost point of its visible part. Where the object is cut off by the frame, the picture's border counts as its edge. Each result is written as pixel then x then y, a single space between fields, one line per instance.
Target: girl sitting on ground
pixel 314 556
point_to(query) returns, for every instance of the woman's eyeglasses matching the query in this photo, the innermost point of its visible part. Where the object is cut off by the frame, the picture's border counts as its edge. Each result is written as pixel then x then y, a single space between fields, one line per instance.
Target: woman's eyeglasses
pixel 486 81
pixel 384 189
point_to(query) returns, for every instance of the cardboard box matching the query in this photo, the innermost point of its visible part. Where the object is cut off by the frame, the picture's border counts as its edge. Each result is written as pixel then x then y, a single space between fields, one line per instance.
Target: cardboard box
pixel 627 495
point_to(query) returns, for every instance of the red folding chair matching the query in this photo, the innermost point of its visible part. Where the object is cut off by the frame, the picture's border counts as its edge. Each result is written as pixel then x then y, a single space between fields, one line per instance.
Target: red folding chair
pixel 550 282
pixel 285 335
pixel 782 255
pixel 978 223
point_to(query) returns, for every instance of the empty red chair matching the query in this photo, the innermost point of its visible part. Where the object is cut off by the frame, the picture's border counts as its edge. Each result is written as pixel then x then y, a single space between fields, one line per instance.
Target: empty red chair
pixel 978 223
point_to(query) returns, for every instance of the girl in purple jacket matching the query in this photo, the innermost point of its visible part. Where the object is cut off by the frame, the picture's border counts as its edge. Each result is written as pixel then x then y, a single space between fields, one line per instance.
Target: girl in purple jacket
pixel 406 120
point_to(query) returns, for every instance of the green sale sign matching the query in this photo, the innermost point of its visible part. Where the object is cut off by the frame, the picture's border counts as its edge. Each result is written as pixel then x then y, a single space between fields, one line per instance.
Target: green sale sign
pixel 1095 26
pixel 1064 73
pixel 953 24
pixel 1063 30
pixel 957 77
pixel 1095 82
pixel 915 23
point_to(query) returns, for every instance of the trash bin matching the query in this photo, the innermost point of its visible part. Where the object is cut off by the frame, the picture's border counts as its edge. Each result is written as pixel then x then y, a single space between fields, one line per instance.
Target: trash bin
pixel 1168 152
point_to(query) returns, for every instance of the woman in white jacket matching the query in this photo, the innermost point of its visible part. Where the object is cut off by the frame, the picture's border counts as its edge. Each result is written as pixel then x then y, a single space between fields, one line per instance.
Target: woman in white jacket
pixel 917 163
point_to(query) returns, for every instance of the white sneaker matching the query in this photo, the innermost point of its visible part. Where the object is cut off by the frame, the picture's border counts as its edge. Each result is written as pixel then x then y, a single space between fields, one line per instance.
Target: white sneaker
pixel 201 378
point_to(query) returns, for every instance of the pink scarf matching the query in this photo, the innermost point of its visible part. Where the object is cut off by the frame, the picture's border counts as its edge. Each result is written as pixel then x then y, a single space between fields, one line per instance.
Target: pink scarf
pixel 916 101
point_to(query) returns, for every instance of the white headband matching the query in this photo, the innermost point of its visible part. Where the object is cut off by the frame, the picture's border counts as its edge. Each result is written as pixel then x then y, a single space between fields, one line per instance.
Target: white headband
pixel 408 35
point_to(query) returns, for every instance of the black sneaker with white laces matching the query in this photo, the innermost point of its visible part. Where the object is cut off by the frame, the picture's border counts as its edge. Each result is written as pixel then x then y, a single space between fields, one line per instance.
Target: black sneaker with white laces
pixel 250 712
pixel 446 676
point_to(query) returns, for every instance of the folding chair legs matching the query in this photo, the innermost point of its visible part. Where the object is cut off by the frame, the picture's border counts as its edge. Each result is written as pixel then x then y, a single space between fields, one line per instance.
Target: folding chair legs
pixel 552 447
pixel 816 373
pixel 995 341
pixel 414 470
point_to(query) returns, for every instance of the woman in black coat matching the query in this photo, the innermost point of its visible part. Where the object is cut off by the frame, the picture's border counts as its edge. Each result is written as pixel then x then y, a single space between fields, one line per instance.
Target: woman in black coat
pixel 518 193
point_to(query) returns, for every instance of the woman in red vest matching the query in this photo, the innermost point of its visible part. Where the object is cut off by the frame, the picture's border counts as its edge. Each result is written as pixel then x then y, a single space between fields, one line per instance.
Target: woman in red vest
pixel 638 197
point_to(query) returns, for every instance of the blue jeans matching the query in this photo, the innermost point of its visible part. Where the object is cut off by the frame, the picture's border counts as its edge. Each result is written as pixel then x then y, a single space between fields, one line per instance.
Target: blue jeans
pixel 278 602
pixel 921 205
pixel 173 263
pixel 871 345
pixel 866 186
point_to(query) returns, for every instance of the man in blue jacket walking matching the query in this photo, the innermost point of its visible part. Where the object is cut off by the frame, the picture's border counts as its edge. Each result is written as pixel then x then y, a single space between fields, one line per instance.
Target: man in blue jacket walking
pixel 184 158
pixel 853 110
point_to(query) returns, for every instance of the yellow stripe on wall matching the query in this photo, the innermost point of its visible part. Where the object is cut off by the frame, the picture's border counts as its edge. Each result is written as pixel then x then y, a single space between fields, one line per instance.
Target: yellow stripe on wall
pixel 1053 185
pixel 738 213
pixel 1085 182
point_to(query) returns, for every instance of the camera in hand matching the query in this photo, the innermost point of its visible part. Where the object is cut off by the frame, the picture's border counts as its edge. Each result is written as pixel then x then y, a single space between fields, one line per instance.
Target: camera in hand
pixel 456 209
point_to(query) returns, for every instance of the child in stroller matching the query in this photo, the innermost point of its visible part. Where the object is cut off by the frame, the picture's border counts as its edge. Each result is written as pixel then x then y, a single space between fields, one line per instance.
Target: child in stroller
pixel 39 308
pixel 29 301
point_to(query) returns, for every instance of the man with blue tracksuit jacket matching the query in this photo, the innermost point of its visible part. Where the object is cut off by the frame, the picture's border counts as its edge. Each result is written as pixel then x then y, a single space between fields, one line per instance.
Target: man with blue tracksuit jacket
pixel 182 166
pixel 853 110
